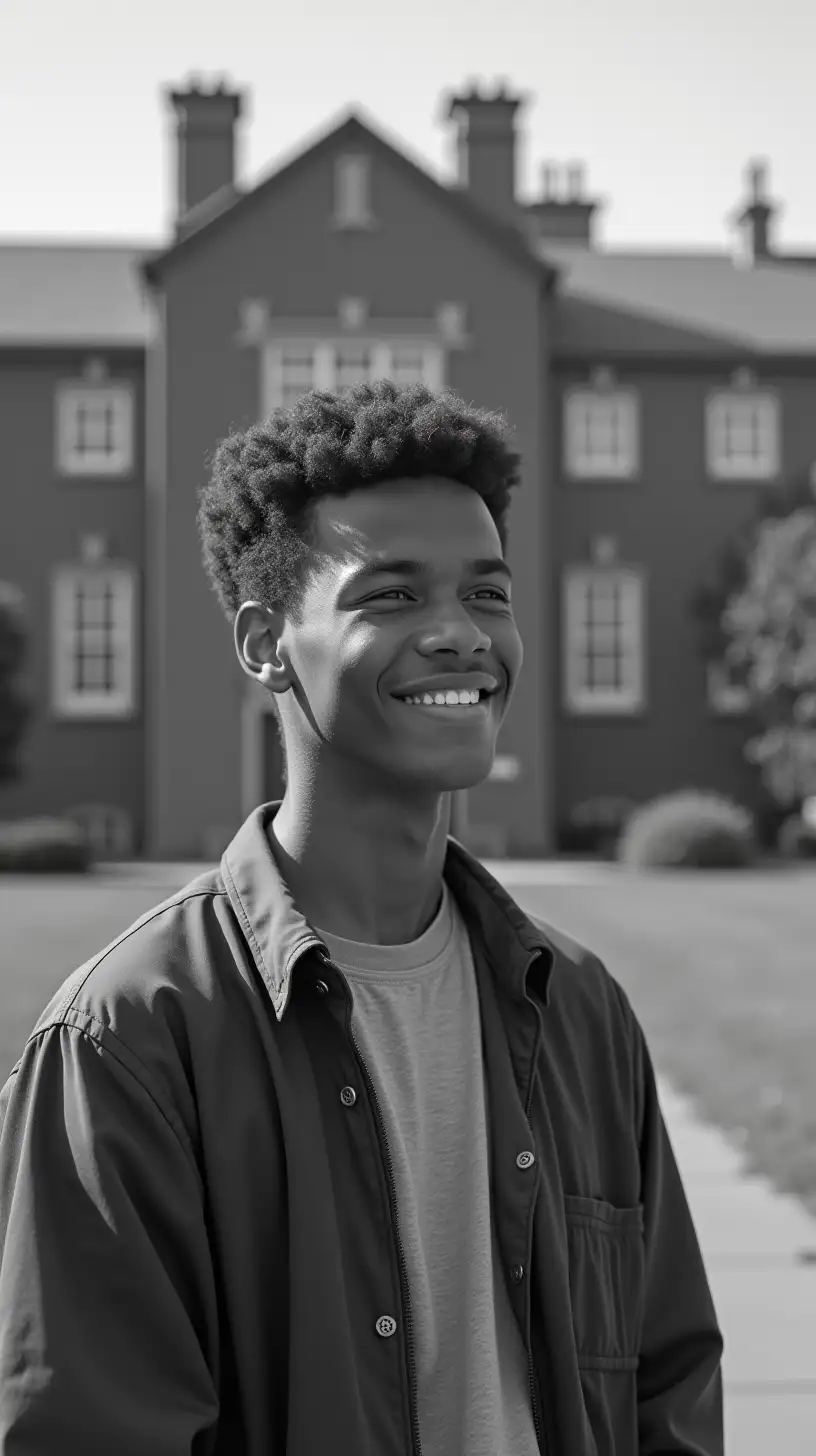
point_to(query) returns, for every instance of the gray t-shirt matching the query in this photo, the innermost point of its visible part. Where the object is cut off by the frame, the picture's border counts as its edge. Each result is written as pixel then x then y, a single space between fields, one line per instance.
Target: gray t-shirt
pixel 417 1023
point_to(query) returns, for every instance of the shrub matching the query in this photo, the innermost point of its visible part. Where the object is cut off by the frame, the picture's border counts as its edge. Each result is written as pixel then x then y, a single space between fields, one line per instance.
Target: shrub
pixel 594 825
pixel 797 840
pixel 690 829
pixel 43 846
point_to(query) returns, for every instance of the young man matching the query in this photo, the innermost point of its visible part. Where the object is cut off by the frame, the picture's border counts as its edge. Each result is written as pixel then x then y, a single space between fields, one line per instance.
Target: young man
pixel 337 1150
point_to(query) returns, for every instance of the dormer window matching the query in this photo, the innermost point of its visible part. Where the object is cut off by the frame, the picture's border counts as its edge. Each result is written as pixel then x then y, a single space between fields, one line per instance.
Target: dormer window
pixel 352 191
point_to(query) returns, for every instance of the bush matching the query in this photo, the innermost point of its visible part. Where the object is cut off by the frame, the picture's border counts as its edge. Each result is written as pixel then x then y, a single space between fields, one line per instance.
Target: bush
pixel 43 846
pixel 689 829
pixel 594 825
pixel 797 840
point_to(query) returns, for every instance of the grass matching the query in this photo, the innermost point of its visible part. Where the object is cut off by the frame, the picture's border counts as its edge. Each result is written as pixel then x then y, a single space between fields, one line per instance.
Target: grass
pixel 720 968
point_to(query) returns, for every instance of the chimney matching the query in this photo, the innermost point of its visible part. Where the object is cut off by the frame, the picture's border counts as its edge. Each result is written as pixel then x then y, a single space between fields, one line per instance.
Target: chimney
pixel 564 213
pixel 486 146
pixel 205 142
pixel 754 219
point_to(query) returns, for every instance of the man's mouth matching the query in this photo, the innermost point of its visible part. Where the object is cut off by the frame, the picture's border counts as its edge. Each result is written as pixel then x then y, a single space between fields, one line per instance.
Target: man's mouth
pixel 467 705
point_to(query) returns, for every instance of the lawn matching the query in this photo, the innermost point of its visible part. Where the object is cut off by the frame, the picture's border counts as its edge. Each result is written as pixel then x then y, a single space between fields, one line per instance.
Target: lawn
pixel 720 969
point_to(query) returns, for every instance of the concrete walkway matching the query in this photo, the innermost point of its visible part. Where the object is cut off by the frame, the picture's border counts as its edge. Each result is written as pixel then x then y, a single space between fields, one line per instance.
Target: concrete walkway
pixel 760 1254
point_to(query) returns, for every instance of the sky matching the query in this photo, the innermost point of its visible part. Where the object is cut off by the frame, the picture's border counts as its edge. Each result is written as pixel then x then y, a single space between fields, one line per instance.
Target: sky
pixel 664 101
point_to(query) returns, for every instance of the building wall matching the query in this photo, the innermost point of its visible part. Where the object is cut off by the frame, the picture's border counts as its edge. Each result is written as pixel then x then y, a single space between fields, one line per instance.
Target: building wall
pixel 44 517
pixel 672 522
pixel 284 251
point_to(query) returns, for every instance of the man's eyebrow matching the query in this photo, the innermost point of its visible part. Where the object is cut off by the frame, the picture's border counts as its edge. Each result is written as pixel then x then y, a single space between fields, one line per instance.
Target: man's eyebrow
pixel 405 566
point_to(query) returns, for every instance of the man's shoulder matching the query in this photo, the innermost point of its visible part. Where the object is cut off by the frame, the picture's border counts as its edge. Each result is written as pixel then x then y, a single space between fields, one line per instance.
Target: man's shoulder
pixel 138 1001
pixel 581 982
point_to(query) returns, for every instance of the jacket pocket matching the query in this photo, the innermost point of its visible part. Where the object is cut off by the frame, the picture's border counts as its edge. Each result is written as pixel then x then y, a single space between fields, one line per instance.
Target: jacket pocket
pixel 607 1275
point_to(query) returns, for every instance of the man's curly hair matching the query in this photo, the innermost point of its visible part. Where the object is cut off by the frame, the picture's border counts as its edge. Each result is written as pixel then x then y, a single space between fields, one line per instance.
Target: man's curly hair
pixel 254 515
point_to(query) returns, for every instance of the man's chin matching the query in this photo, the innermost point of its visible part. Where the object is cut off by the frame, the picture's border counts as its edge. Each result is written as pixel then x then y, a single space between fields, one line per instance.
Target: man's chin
pixel 467 772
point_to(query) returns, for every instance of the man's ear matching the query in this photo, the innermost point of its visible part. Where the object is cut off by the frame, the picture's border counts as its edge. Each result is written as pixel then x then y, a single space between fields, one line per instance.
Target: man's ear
pixel 257 634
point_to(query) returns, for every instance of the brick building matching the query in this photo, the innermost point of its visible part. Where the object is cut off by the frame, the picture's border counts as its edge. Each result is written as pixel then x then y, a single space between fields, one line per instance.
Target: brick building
pixel 651 392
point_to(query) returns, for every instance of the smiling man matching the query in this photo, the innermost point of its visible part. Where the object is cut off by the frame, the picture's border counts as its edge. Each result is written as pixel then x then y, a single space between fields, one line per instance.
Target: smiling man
pixel 337 1149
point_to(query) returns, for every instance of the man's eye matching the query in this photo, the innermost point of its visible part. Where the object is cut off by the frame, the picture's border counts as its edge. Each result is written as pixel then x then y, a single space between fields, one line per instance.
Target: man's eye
pixel 493 591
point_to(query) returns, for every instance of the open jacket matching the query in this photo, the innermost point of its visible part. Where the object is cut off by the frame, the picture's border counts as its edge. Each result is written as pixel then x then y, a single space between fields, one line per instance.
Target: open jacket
pixel 198 1233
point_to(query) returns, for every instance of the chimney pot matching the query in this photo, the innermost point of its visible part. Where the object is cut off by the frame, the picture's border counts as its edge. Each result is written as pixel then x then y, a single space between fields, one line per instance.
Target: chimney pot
pixel 575 181
pixel 486 146
pixel 205 141
pixel 754 220
pixel 549 181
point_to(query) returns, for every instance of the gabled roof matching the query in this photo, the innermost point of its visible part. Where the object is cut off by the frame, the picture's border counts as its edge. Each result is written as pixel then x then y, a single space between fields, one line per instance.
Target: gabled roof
pixel 232 204
pixel 72 293
pixel 706 298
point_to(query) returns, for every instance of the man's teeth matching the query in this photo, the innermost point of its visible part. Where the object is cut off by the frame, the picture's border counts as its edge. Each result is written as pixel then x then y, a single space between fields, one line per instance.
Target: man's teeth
pixel 450 699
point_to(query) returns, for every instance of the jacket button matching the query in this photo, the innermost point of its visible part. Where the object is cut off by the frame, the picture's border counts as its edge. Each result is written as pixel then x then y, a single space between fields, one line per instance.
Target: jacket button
pixel 348 1096
pixel 322 988
pixel 517 1273
pixel 386 1325
pixel 525 1160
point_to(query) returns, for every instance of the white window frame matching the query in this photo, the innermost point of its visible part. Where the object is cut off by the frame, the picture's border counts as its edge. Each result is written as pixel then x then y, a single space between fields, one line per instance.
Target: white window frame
pixel 352 191
pixel 326 353
pixel 578 697
pixel 108 828
pixel 66 700
pixel 727 698
pixel 580 464
pixel 763 464
pixel 70 395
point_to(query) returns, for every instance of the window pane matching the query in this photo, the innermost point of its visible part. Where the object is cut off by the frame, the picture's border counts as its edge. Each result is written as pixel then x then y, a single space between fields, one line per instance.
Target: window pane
pixel 353 364
pixel 603 636
pixel 95 428
pixel 297 372
pixel 600 433
pixel 351 183
pixel 407 364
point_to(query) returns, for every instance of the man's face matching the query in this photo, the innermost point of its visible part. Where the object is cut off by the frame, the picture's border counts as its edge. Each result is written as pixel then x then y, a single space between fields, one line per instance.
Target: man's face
pixel 368 638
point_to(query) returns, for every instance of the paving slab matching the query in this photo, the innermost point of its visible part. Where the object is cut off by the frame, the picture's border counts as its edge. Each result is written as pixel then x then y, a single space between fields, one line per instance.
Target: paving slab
pixel 768 1320
pixel 704 1154
pixel 745 1221
pixel 761 1424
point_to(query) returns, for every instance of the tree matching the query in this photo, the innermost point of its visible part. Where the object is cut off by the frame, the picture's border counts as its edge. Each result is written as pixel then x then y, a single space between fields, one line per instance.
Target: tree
pixel 15 705
pixel 770 628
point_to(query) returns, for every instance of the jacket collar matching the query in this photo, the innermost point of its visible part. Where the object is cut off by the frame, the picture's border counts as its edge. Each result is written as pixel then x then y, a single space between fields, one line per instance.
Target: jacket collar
pixel 278 935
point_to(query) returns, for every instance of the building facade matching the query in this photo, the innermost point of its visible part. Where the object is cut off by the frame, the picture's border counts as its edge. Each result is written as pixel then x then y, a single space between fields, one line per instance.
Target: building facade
pixel 652 395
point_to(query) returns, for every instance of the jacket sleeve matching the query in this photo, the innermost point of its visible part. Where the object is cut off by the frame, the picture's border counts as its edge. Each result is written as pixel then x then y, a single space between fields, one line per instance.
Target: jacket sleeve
pixel 680 1397
pixel 106 1289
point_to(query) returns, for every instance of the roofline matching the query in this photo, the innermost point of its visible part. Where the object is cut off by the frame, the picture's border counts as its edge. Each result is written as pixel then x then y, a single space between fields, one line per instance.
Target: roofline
pixel 729 356
pixel 82 343
pixel 83 245
pixel 503 234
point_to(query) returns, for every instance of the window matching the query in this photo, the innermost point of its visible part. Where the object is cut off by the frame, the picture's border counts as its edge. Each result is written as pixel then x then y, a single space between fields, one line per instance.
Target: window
pixel 742 436
pixel 93 642
pixel 297 372
pixel 407 364
pixel 352 178
pixel 94 434
pixel 601 434
pixel 295 366
pixel 603 640
pixel 353 363
pixel 724 692
pixel 107 828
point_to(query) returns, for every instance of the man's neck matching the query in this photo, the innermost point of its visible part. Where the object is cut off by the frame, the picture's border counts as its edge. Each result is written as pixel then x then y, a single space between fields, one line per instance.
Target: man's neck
pixel 369 872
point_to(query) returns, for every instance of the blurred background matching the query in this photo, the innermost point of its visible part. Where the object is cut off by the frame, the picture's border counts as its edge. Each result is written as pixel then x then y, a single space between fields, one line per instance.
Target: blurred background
pixel 599 220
